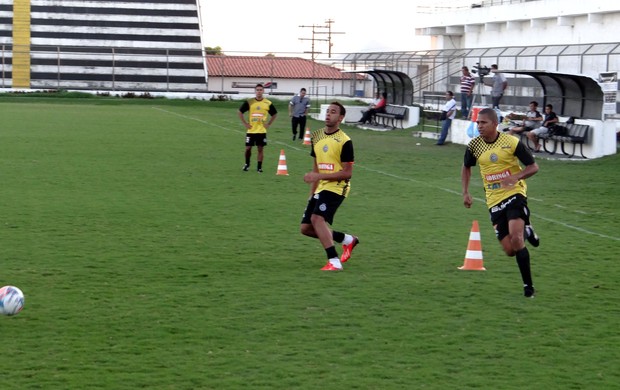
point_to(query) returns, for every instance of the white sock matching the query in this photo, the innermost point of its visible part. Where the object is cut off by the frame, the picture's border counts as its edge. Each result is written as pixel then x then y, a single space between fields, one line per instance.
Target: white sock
pixel 347 239
pixel 336 262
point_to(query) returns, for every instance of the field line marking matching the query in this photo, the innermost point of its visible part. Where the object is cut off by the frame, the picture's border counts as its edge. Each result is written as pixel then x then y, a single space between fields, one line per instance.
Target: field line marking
pixel 221 127
pixel 566 225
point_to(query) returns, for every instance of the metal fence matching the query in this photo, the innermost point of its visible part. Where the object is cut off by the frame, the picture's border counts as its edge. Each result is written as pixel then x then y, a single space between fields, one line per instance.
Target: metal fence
pixel 438 70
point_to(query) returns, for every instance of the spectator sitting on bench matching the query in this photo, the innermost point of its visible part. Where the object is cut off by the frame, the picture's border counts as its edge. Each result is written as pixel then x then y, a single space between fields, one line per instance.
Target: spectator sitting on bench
pixel 549 120
pixel 531 121
pixel 370 113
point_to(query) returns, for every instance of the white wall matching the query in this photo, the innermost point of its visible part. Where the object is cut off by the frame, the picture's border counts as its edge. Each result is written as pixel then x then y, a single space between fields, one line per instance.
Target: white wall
pixel 601 137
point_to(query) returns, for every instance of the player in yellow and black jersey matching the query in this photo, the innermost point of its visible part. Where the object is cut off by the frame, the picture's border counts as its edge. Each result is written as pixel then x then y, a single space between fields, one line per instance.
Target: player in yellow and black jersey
pixel 500 156
pixel 329 181
pixel 257 124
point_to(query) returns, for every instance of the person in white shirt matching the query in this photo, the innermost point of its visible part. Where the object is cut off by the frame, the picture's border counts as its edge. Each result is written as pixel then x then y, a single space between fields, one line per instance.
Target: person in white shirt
pixel 448 113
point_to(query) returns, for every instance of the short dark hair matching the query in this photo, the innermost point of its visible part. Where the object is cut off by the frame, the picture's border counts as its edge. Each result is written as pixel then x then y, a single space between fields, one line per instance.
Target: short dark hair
pixel 534 102
pixel 343 111
pixel 450 93
pixel 303 89
pixel 465 68
pixel 494 66
pixel 259 85
pixel 550 106
pixel 490 113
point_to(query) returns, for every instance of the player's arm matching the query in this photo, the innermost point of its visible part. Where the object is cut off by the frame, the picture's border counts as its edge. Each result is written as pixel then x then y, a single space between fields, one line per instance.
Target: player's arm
pixel 526 158
pixel 273 114
pixel 241 113
pixel 469 161
pixel 344 174
pixel 314 183
pixel 465 178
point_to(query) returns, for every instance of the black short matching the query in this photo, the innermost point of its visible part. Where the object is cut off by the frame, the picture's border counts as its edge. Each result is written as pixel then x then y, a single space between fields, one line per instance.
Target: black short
pixel 256 139
pixel 325 204
pixel 514 207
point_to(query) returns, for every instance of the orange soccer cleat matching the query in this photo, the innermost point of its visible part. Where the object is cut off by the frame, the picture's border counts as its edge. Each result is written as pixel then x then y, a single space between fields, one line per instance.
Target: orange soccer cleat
pixel 347 249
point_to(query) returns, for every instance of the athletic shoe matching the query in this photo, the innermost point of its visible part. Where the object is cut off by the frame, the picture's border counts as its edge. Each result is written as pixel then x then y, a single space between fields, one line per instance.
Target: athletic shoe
pixel 330 267
pixel 347 249
pixel 528 291
pixel 294 136
pixel 532 237
pixel 246 167
pixel 259 170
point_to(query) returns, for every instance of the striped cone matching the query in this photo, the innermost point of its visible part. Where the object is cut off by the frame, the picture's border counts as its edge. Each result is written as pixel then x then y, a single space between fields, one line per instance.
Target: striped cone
pixel 282 170
pixel 473 256
pixel 307 139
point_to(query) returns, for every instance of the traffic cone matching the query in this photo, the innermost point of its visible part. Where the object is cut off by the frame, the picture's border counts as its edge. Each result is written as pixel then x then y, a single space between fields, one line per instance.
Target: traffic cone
pixel 473 256
pixel 307 139
pixel 282 170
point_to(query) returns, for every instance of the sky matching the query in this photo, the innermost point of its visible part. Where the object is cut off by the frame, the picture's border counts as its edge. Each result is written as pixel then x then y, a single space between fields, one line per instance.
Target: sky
pixel 365 26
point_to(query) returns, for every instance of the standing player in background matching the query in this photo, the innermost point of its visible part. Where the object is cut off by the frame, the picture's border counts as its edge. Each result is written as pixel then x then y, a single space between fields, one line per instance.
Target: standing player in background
pixel 504 185
pixel 298 110
pixel 329 183
pixel 260 109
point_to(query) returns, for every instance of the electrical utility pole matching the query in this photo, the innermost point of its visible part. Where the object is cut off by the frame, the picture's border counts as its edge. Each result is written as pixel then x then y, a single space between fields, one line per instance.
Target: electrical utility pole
pixel 319 30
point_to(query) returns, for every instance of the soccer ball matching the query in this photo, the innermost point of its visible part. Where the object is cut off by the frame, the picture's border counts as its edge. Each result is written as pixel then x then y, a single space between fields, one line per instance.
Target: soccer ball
pixel 11 300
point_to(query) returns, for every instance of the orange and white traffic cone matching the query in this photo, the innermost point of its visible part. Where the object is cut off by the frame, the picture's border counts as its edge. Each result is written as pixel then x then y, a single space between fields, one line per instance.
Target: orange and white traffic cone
pixel 473 256
pixel 307 139
pixel 282 170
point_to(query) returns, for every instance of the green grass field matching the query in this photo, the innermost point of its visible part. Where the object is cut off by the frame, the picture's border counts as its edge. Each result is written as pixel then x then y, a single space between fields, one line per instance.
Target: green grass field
pixel 149 260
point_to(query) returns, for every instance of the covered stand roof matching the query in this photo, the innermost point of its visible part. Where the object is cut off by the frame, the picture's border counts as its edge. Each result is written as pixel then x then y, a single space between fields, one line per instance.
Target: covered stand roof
pixel 397 85
pixel 570 94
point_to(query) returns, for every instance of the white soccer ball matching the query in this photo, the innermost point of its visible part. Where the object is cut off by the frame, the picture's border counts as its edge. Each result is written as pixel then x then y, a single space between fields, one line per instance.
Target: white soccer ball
pixel 11 300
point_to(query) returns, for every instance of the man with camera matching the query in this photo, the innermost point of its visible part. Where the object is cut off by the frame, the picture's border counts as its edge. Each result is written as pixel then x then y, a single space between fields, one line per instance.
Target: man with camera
pixel 499 85
pixel 447 114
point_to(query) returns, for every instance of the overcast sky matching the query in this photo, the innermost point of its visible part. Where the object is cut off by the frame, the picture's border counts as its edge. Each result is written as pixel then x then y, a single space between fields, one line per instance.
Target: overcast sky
pixel 274 26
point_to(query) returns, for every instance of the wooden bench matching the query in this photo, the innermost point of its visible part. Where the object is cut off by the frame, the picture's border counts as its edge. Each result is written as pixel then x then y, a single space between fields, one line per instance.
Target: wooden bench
pixel 575 134
pixel 392 116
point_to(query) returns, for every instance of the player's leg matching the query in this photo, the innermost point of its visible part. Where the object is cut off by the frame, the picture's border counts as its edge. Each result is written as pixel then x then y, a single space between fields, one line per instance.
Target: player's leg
pixel 518 215
pixel 507 221
pixel 294 123
pixel 302 127
pixel 260 144
pixel 248 151
pixel 326 205
pixel 348 242
pixel 306 227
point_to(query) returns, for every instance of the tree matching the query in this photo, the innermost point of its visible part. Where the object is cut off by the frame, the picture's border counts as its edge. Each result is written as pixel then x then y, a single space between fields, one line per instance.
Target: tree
pixel 216 51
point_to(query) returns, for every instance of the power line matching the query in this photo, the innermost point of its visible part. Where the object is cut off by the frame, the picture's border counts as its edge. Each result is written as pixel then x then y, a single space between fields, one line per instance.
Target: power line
pixel 320 30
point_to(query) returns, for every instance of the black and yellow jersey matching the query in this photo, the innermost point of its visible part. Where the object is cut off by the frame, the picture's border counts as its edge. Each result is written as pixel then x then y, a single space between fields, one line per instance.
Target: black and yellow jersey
pixel 497 160
pixel 330 152
pixel 259 110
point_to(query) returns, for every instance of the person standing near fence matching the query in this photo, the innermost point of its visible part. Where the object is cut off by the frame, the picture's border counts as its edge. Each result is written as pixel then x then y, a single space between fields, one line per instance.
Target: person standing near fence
pixel 503 179
pixel 447 114
pixel 262 114
pixel 498 87
pixel 467 91
pixel 298 110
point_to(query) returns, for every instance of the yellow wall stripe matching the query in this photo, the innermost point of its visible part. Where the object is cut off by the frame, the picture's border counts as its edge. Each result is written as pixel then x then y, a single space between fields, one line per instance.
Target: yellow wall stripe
pixel 21 44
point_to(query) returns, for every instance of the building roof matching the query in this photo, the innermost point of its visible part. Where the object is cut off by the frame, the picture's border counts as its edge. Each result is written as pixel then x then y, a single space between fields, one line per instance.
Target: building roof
pixel 271 66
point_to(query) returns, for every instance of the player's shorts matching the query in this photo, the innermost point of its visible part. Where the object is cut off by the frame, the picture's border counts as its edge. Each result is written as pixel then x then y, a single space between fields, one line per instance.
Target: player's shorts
pixel 325 204
pixel 255 139
pixel 514 207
